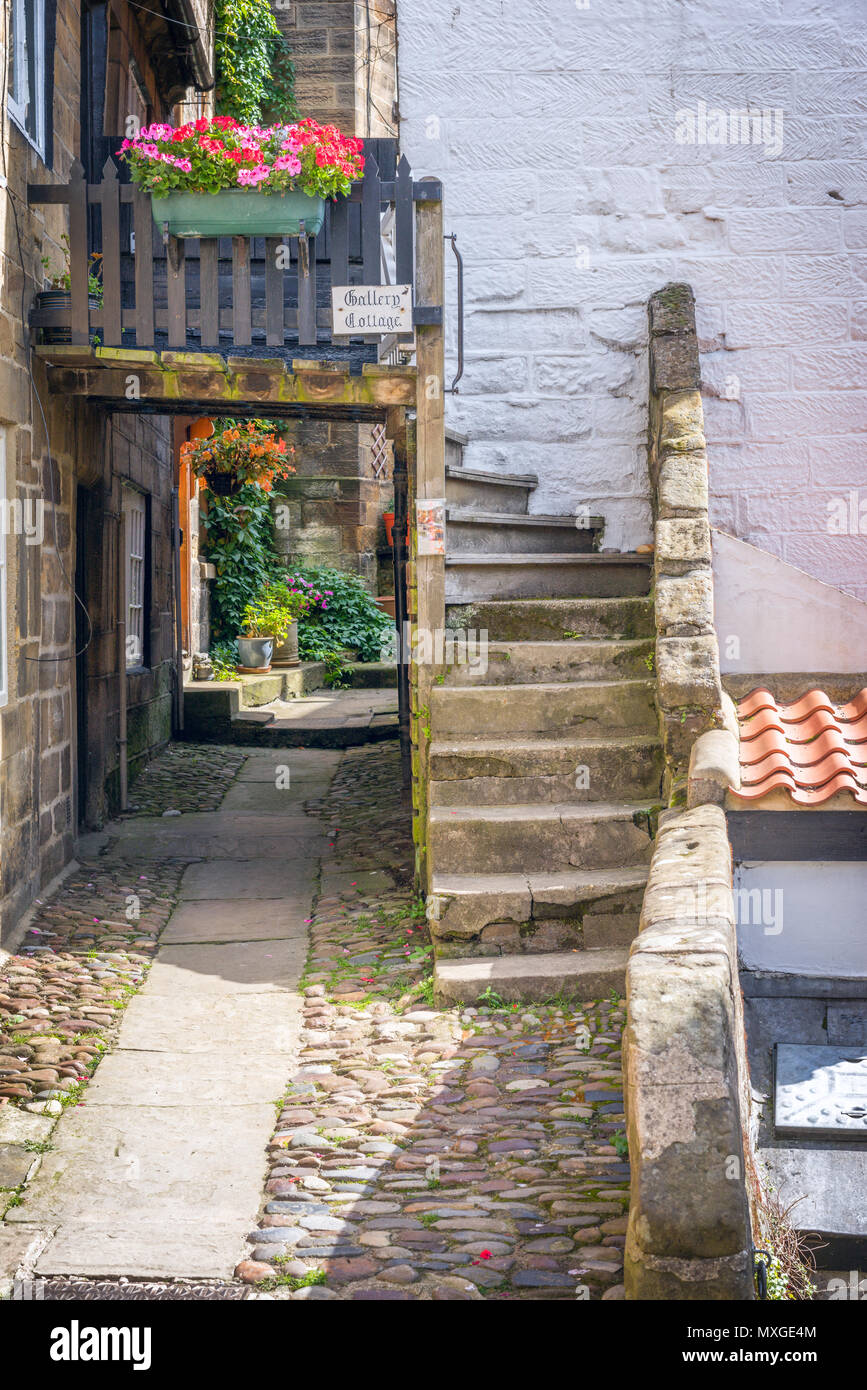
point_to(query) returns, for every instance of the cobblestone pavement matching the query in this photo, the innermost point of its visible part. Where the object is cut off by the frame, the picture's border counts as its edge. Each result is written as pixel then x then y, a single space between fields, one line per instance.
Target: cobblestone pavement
pixel 425 1153
pixel 185 777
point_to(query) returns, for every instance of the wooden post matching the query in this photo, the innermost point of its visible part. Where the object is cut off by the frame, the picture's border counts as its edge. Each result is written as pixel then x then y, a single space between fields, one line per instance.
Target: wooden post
pixel 429 570
pixel 144 269
pixel 112 334
pixel 78 262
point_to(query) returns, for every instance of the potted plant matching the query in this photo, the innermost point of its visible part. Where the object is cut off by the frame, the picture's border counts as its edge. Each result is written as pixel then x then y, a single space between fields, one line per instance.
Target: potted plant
pixel 299 603
pixel 266 622
pixel 216 177
pixel 59 296
pixel 243 452
pixel 388 521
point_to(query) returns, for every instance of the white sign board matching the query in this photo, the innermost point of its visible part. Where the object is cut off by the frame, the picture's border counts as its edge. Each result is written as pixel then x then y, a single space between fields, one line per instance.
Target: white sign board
pixel 357 309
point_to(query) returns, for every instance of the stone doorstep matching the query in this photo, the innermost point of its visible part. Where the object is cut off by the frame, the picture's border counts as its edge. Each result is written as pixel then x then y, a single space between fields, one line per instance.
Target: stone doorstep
pixel 531 978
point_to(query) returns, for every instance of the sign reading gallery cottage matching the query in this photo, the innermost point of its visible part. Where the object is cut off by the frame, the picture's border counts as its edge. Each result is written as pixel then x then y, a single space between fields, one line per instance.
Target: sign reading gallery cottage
pixel 371 309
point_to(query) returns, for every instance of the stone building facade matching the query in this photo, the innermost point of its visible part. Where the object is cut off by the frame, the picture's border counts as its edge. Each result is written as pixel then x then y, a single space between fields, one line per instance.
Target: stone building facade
pixel 592 154
pixel 71 469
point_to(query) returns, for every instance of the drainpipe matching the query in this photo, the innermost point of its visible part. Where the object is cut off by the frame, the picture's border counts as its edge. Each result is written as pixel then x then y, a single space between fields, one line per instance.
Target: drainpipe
pixel 121 657
pixel 177 615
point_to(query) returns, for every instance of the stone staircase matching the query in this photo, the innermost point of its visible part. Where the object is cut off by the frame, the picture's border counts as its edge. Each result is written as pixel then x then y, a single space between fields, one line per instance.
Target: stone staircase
pixel 545 766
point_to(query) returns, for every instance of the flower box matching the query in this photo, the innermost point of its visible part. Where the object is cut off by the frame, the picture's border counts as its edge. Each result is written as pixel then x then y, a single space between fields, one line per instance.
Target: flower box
pixel 239 212
pixel 215 177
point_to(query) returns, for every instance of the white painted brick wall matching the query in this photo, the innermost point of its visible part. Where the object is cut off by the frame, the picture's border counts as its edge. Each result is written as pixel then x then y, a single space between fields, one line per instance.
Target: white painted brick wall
pixel 553 128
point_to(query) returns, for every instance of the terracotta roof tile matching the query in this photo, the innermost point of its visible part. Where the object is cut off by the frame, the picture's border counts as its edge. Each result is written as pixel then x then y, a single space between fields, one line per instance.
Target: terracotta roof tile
pixel 812 748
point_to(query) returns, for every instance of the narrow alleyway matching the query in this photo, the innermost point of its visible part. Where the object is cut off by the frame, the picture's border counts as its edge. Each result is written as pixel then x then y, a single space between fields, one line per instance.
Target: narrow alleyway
pixel 418 1152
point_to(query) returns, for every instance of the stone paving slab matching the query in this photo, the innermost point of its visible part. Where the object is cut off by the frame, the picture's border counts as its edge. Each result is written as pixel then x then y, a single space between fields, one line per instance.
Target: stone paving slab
pixel 151 1251
pixel 113 1166
pixel 218 1077
pixel 188 1023
pixel 216 920
pixel 305 765
pixel 279 877
pixel 235 967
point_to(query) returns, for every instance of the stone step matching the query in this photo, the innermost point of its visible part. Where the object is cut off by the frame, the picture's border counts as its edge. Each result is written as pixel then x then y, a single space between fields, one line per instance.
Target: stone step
pixel 454 450
pixel 531 978
pixel 532 839
pixel 489 492
pixel 478 578
pixel 523 663
pixel 495 772
pixel 553 619
pixel 470 533
pixel 547 709
pixel 495 914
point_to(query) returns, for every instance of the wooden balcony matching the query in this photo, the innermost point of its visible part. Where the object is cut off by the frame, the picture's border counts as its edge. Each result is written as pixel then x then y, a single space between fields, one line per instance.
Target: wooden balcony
pixel 240 320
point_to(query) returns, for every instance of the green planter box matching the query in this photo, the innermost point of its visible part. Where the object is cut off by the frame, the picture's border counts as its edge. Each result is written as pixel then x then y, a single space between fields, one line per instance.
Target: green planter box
pixel 239 212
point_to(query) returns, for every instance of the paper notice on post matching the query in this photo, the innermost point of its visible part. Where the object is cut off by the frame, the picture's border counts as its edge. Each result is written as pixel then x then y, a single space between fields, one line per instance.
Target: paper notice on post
pixel 430 520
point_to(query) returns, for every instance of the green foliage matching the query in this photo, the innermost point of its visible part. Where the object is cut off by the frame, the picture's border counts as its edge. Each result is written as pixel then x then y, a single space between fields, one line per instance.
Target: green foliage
pixel 348 618
pixel 224 659
pixel 241 546
pixel 269 614
pixel 621 1144
pixel 255 72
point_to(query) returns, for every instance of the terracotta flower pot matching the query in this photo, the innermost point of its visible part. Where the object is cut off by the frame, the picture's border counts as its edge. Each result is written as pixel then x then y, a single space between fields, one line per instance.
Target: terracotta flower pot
pixel 388 518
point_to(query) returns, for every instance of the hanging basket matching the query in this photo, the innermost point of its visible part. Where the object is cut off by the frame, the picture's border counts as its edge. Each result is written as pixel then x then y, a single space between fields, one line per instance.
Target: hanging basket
pixel 222 484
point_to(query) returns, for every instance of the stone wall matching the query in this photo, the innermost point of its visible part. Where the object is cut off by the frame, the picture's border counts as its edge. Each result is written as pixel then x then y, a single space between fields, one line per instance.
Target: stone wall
pixel 556 135
pixel 39 734
pixel 685 1070
pixel 345 57
pixel 335 499
pixel 689 691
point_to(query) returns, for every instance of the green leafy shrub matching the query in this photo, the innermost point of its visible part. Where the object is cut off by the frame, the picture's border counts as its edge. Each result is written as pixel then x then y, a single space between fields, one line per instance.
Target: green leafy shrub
pixel 342 615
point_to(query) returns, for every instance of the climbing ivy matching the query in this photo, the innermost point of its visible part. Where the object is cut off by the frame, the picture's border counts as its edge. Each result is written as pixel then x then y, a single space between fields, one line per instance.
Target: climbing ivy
pixel 255 72
pixel 239 542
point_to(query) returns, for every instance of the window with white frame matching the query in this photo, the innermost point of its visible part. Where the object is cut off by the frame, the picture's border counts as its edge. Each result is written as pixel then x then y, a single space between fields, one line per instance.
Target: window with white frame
pixel 27 70
pixel 4 514
pixel 135 539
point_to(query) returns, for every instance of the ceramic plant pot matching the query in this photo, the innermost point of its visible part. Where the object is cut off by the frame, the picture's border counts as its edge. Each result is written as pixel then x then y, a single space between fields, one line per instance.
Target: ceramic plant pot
pixel 254 654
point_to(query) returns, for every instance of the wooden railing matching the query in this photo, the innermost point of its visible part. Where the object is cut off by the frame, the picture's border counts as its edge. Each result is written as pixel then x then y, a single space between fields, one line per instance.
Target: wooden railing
pixel 213 294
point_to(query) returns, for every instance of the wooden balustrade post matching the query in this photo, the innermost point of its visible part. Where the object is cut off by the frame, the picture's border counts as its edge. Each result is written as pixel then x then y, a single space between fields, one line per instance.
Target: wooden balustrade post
pixel 78 257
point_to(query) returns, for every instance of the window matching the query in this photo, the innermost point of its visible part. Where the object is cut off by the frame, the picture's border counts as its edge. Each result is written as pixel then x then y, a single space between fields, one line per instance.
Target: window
pixel 135 536
pixel 27 81
pixel 4 514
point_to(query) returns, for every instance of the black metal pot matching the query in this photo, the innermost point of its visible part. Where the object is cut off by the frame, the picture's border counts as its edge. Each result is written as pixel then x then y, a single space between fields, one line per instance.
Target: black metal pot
pixel 60 299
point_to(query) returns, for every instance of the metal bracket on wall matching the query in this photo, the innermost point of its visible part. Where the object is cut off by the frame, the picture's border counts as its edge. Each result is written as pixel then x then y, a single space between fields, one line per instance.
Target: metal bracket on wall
pixel 452 237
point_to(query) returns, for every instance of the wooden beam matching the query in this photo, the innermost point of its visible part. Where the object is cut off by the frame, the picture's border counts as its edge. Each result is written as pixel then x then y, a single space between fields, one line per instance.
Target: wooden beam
pixel 178 381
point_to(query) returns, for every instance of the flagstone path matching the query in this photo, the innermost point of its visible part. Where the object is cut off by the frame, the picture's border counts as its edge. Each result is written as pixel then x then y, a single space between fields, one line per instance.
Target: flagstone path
pixel 158 1172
